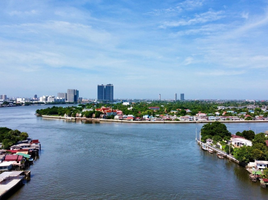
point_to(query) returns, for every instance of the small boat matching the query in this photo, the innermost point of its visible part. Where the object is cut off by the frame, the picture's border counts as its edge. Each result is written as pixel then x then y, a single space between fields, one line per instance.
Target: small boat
pixel 210 151
pixel 219 155
pixel 204 147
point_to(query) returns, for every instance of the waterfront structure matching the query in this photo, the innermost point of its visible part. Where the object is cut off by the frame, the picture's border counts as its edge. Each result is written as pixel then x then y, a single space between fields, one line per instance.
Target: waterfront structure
pixel 238 141
pixel 62 95
pixel 105 92
pixel 72 95
pixel 182 96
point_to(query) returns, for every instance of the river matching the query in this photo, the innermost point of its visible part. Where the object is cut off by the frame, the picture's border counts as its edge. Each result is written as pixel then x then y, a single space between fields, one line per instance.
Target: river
pixel 127 161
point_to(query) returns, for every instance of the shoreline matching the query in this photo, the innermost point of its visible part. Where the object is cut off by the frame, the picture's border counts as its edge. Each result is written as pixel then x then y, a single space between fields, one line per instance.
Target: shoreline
pixel 98 120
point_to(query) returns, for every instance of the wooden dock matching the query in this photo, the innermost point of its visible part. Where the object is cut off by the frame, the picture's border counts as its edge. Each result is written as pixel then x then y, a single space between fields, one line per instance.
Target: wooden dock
pixel 9 181
pixel 230 157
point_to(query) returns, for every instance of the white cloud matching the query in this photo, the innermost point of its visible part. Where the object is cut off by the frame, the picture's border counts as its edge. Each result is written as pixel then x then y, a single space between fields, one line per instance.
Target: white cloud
pixel 22 13
pixel 245 15
pixel 198 19
pixel 219 73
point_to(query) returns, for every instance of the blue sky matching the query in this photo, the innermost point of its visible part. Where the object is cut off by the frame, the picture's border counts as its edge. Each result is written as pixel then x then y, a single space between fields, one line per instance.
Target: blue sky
pixel 207 49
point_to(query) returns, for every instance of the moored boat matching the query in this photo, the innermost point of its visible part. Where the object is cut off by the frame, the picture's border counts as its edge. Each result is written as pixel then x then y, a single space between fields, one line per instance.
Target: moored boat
pixel 210 151
pixel 219 155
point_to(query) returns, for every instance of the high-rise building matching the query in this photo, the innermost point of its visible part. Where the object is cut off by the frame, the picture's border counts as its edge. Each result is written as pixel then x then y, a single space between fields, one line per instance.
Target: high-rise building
pixel 109 92
pixel 72 95
pixel 62 95
pixel 175 97
pixel 182 96
pixel 101 92
pixel 3 97
pixel 105 92
pixel 159 97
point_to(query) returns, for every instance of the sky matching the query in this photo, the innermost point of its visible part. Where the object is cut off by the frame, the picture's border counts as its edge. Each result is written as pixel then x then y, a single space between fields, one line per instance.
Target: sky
pixel 206 49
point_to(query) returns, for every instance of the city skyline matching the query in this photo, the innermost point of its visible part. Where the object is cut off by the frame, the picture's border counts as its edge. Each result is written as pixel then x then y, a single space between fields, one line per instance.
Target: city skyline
pixel 211 49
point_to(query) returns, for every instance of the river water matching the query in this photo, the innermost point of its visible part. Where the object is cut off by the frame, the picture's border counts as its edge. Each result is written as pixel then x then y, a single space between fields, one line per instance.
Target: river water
pixel 127 161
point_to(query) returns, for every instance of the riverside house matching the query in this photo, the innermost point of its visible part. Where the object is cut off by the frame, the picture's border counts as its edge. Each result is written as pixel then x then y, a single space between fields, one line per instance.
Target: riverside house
pixel 239 141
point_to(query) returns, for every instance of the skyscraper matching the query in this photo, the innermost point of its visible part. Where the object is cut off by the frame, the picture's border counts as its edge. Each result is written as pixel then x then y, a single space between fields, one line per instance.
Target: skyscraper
pixel 182 96
pixel 101 92
pixel 175 96
pixel 105 92
pixel 109 92
pixel 62 95
pixel 72 95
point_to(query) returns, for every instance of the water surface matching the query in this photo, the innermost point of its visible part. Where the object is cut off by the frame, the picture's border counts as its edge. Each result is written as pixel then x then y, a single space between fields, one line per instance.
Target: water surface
pixel 127 161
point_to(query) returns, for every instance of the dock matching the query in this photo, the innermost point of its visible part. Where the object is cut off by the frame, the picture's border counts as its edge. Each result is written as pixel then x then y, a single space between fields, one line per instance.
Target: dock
pixel 9 181
pixel 207 146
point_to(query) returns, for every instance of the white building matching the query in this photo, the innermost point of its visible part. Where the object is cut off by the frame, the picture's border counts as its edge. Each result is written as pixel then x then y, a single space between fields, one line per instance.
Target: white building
pixel 51 99
pixel 238 141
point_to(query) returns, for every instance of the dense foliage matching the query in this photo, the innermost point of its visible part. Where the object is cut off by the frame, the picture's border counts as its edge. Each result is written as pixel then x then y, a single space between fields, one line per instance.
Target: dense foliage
pixel 69 111
pixel 258 151
pixel 216 131
pixel 249 135
pixel 9 137
pixel 265 173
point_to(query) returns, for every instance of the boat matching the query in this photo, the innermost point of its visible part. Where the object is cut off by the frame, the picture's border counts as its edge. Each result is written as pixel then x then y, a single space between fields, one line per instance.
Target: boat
pixel 210 151
pixel 204 147
pixel 219 155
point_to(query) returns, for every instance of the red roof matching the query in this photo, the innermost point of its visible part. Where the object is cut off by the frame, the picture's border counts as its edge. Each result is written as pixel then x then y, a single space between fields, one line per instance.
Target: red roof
pixel 266 142
pixel 13 158
pixel 35 141
pixel 15 151
pixel 237 136
pixel 265 180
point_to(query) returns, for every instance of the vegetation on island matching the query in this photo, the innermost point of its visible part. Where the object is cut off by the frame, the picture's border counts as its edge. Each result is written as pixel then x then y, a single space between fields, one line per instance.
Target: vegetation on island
pixel 216 131
pixel 258 150
pixel 69 111
pixel 219 134
pixel 9 137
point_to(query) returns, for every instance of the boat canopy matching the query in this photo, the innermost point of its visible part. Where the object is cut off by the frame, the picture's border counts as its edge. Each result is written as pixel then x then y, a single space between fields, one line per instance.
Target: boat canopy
pixel 23 154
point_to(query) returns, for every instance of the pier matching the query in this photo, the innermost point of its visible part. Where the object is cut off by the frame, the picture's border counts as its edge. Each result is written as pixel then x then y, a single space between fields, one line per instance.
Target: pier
pixel 207 146
pixel 9 181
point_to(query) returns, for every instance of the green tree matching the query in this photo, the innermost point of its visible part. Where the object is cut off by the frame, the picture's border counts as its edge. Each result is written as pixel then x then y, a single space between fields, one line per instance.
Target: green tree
pixel 249 135
pixel 265 173
pixel 243 154
pixel 213 129
pixel 259 138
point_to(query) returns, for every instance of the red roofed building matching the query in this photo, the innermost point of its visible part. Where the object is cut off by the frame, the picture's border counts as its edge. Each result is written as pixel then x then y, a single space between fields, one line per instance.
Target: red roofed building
pixel 16 158
pixel 154 108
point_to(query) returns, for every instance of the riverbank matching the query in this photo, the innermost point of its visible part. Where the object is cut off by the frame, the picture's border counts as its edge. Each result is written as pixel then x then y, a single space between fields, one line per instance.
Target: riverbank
pixel 99 120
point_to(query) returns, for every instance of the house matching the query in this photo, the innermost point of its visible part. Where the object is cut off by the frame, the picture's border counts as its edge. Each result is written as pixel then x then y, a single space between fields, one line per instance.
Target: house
pixel 199 114
pixel 118 117
pixel 212 118
pixel 130 118
pixel 261 164
pixel 209 141
pixel 6 166
pixel 238 141
pixel 154 108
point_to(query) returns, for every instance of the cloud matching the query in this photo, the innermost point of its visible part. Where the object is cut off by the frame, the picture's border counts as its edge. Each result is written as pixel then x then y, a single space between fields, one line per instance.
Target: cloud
pixel 220 73
pixel 197 19
pixel 188 61
pixel 245 15
pixel 190 4
pixel 178 8
pixel 22 13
